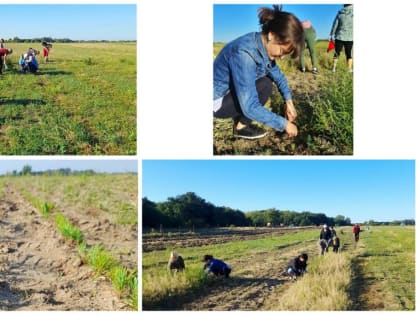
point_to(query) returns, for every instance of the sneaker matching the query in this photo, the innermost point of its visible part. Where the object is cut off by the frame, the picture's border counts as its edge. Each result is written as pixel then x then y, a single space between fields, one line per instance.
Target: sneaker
pixel 249 132
pixel 315 71
pixel 303 70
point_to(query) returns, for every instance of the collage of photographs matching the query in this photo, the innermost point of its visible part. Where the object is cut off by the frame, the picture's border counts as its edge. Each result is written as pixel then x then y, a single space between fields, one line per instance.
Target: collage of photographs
pixel 296 194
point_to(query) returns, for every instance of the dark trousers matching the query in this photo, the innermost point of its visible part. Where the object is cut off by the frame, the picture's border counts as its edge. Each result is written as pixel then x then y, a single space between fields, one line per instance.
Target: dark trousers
pixel 230 105
pixel 348 46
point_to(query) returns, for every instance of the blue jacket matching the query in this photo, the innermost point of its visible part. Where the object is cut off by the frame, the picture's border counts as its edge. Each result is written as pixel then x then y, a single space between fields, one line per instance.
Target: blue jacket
pixel 239 64
pixel 217 266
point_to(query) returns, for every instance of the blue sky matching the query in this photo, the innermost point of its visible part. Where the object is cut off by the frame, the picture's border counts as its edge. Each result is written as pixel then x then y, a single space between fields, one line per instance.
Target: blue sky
pixel 231 21
pixel 74 21
pixel 382 190
pixel 100 166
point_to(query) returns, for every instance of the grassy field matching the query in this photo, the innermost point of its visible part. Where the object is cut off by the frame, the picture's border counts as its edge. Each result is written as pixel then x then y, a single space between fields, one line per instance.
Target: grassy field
pixel 377 273
pixel 82 102
pixel 324 103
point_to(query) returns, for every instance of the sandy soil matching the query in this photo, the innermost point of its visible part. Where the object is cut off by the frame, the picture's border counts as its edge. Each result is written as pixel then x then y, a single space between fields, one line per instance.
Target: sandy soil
pixel 39 270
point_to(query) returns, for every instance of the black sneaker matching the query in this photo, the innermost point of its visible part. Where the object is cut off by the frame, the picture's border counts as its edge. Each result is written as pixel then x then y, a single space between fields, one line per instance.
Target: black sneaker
pixel 249 132
pixel 315 71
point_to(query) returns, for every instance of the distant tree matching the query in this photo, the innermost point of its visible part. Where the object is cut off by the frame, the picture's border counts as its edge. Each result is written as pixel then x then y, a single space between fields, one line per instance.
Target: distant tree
pixel 26 170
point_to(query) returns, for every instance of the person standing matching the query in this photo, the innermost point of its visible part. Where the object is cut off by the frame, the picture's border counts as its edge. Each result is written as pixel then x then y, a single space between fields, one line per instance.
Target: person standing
pixel 3 45
pixel 244 72
pixel 310 40
pixel 342 33
pixel 3 53
pixel 356 232
pixel 324 239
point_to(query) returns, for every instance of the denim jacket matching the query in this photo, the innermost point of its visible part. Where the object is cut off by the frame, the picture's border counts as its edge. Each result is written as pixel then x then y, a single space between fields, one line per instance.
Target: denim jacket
pixel 239 64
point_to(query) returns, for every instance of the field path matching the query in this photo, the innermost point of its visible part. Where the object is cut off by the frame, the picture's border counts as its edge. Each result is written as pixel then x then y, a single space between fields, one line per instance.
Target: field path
pixel 38 270
pixel 254 278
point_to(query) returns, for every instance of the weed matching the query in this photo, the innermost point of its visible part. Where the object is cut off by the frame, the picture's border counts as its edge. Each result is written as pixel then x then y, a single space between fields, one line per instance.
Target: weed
pixel 120 278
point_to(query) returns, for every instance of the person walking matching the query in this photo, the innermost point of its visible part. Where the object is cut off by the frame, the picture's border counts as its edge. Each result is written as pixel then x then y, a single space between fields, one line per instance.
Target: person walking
pixel 310 40
pixel 324 239
pixel 244 72
pixel 342 34
pixel 356 232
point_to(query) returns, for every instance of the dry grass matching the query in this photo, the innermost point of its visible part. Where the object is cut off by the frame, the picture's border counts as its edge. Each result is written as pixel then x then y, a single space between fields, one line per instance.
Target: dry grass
pixel 323 288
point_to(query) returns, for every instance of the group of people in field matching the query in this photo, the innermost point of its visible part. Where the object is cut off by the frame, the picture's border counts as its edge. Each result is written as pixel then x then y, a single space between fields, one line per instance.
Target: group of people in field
pixel 296 267
pixel 211 265
pixel 28 61
pixel 245 70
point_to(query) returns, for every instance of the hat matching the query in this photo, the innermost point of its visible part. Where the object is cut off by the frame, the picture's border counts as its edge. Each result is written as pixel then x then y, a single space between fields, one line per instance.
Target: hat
pixel 325 226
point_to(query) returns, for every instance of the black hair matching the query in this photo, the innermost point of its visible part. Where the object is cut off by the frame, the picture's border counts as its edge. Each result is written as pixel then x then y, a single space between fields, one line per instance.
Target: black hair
pixel 304 256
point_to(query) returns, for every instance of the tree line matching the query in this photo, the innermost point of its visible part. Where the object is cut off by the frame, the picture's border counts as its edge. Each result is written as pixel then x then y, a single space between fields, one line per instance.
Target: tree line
pixel 59 40
pixel 189 210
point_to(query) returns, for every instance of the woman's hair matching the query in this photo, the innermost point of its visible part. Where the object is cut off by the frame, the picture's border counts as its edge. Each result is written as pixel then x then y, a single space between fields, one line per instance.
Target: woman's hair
pixel 207 257
pixel 286 27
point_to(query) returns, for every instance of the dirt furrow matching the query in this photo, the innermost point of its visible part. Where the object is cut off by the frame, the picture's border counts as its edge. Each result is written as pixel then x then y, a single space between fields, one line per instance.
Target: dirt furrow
pixel 39 270
pixel 254 279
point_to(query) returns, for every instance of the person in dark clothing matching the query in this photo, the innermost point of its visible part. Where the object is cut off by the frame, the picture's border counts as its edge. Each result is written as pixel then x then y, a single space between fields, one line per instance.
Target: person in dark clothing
pixel 216 266
pixel 176 262
pixel 325 233
pixel 297 266
pixel 336 244
pixel 356 232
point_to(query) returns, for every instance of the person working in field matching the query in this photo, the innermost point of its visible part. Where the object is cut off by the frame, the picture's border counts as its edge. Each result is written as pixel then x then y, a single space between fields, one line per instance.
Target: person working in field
pixel 216 266
pixel 3 53
pixel 356 231
pixel 3 45
pixel 324 239
pixel 28 61
pixel 46 47
pixel 336 244
pixel 176 262
pixel 342 34
pixel 297 266
pixel 244 72
pixel 310 40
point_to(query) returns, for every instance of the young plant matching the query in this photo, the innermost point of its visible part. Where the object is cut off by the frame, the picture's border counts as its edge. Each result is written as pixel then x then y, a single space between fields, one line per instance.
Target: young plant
pixel 68 230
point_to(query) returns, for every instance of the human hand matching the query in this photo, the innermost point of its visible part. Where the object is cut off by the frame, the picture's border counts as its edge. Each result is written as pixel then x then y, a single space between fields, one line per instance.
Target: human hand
pixel 290 111
pixel 291 129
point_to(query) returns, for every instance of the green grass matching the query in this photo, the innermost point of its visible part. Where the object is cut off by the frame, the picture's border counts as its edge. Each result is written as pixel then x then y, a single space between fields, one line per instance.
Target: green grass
pixel 68 230
pixel 82 102
pixel 388 261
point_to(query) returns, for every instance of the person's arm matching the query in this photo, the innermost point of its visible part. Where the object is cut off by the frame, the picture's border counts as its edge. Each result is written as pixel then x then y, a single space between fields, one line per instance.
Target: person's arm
pixel 334 28
pixel 243 69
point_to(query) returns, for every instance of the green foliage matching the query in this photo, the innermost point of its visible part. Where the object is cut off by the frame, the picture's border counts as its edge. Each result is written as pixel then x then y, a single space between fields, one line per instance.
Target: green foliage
pixel 68 230
pixel 120 278
pixel 46 208
pixel 100 260
pixel 134 291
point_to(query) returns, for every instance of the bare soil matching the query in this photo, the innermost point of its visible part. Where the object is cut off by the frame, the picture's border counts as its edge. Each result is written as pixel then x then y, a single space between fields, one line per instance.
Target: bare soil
pixel 41 271
pixel 214 236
